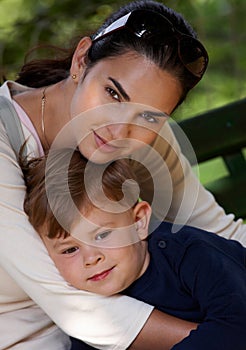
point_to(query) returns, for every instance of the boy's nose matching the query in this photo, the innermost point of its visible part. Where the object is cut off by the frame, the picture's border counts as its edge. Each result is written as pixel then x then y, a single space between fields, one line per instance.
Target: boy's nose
pixel 91 256
pixel 91 261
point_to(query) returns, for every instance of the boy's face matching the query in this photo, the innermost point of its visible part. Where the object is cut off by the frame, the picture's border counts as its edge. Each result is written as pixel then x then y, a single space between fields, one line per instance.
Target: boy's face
pixel 95 266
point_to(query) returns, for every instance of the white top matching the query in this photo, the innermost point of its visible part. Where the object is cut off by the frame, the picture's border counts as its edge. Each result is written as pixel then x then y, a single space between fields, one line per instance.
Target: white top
pixel 31 283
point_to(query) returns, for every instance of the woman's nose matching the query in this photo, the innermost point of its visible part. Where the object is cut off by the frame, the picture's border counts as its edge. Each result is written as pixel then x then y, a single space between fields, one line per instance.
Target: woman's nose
pixel 119 131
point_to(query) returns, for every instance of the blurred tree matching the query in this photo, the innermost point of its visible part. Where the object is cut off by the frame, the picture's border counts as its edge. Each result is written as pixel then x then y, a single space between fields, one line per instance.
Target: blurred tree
pixel 45 21
pixel 220 24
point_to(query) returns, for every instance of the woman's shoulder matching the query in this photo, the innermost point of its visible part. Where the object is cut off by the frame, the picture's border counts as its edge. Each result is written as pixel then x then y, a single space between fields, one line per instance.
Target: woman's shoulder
pixel 10 88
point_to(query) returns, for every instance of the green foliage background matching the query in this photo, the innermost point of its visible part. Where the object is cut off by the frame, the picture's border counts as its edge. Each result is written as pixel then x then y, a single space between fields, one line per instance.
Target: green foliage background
pixel 219 23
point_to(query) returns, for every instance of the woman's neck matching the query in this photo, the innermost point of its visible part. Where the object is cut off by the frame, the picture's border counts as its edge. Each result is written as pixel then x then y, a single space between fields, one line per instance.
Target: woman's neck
pixel 48 108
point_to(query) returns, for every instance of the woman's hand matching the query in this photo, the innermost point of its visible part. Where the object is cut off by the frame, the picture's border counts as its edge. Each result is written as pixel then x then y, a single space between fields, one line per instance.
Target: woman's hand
pixel 162 332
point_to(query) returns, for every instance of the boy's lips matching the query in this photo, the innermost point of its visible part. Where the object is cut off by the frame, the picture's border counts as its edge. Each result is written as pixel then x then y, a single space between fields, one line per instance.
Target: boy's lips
pixel 100 276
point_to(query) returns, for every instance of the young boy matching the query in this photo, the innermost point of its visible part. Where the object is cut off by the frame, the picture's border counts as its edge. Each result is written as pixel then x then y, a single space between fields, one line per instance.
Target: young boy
pixel 107 248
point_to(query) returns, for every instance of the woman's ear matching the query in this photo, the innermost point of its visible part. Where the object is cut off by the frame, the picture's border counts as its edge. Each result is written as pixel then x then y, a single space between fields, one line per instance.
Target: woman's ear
pixel 79 58
pixel 142 213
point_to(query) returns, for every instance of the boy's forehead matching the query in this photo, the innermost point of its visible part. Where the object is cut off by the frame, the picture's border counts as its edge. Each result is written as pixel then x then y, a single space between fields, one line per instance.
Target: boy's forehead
pixel 85 227
pixel 60 241
pixel 96 219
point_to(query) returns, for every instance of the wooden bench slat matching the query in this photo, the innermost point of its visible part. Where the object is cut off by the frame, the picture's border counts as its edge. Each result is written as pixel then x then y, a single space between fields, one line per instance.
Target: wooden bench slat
pixel 220 132
pixel 216 132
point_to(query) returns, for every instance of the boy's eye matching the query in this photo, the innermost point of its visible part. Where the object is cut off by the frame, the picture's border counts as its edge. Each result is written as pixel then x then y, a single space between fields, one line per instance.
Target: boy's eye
pixel 102 235
pixel 70 250
pixel 113 93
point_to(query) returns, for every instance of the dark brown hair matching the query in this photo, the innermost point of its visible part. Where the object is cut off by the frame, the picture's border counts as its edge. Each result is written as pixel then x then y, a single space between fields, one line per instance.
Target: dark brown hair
pixel 44 72
pixel 59 177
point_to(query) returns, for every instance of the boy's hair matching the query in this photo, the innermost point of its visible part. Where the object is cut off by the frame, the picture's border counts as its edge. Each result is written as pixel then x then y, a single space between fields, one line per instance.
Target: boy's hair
pixel 60 177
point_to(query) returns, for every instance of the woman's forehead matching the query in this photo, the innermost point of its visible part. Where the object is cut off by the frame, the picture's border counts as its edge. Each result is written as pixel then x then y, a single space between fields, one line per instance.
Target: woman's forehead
pixel 142 80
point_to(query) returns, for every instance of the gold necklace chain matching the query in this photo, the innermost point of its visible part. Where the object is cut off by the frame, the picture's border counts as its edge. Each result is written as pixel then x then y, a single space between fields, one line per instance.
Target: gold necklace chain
pixel 43 102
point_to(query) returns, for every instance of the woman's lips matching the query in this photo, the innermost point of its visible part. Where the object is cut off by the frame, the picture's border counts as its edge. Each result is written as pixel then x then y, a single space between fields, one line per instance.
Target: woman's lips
pixel 100 276
pixel 103 144
pixel 99 140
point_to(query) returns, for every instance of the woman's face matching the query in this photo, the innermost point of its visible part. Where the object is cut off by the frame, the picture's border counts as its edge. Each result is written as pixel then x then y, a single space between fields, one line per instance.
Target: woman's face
pixel 126 100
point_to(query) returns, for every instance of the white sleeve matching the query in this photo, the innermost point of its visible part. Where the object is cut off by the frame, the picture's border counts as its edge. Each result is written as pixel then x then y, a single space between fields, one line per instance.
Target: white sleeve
pixel 182 199
pixel 106 323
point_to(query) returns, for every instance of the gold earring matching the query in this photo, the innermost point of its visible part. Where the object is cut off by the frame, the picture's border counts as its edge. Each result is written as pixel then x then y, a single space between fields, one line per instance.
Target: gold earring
pixel 74 76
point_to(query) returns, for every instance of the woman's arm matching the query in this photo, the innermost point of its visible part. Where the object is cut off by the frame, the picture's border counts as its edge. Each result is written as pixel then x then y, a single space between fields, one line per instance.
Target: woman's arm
pixel 161 332
pixel 179 196
pixel 98 320
pixel 107 323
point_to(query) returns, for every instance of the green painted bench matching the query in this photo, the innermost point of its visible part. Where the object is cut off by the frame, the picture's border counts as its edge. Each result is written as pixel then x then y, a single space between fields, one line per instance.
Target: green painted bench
pixel 221 132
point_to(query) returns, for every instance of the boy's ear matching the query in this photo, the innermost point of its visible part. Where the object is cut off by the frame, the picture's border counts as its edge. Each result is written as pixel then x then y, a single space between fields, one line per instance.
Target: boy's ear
pixel 79 58
pixel 142 213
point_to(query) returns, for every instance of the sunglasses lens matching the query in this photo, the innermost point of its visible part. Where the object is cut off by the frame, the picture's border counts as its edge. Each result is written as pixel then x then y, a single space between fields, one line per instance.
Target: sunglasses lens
pixel 151 25
pixel 193 55
pixel 144 24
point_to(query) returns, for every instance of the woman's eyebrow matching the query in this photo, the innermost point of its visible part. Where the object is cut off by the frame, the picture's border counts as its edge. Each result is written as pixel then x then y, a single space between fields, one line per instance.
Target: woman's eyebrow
pixel 120 88
pixel 127 98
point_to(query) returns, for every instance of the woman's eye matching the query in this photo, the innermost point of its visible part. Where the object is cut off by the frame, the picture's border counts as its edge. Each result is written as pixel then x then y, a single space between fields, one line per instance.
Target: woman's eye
pixel 113 93
pixel 149 117
pixel 102 235
pixel 70 250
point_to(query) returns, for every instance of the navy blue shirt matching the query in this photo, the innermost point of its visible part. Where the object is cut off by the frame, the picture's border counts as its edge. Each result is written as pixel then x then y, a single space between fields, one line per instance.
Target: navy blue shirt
pixel 200 277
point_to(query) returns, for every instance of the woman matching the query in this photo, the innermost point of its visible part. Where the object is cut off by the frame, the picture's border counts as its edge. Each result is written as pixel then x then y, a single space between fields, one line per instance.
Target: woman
pixel 130 62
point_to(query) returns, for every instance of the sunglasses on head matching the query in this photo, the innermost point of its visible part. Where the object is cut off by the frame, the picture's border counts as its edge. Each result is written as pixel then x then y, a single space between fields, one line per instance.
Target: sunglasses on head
pixel 148 24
